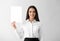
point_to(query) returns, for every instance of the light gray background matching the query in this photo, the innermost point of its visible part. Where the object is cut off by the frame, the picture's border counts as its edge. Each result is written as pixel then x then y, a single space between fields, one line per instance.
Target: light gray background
pixel 48 12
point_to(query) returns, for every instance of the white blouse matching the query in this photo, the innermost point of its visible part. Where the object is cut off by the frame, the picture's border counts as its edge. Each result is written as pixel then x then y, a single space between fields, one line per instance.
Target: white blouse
pixel 28 29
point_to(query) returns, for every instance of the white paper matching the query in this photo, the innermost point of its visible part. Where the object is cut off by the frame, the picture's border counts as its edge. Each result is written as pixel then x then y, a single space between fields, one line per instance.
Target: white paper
pixel 16 13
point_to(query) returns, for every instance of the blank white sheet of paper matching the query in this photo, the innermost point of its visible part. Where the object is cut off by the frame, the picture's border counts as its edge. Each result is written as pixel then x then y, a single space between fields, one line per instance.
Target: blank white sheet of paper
pixel 16 13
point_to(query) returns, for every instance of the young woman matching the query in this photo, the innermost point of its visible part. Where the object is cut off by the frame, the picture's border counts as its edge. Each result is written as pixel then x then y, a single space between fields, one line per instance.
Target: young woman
pixel 30 31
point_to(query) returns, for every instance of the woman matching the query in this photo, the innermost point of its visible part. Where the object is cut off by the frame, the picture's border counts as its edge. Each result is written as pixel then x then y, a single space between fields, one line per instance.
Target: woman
pixel 30 31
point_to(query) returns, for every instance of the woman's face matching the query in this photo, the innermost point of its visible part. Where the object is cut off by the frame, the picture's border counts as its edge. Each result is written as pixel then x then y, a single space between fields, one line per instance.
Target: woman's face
pixel 32 13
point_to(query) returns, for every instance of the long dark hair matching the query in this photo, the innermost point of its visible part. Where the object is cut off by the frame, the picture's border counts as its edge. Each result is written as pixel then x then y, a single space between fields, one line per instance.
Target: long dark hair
pixel 36 16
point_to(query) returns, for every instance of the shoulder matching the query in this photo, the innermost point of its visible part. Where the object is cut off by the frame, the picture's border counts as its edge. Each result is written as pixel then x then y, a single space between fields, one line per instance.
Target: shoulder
pixel 38 23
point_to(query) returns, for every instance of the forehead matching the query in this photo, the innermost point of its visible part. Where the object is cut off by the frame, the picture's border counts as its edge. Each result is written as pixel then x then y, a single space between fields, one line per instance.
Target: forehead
pixel 31 9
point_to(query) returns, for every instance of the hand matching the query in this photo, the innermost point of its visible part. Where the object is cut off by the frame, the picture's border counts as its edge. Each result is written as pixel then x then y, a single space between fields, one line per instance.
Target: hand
pixel 13 24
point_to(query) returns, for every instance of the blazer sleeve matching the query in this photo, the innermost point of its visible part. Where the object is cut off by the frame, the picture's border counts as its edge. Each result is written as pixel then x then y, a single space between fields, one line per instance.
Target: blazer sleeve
pixel 19 30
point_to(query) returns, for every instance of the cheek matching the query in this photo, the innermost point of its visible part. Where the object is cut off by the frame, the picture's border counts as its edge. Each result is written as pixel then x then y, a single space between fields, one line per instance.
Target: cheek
pixel 32 15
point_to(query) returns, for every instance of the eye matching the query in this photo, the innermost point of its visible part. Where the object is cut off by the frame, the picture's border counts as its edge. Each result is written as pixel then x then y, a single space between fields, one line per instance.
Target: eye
pixel 30 11
pixel 33 11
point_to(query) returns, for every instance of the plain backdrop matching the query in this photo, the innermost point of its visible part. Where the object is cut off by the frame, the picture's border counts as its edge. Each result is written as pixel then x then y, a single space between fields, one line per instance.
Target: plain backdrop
pixel 49 14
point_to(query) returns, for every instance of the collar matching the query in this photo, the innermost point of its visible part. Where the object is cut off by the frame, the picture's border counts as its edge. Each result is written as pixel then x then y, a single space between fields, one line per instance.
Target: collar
pixel 32 21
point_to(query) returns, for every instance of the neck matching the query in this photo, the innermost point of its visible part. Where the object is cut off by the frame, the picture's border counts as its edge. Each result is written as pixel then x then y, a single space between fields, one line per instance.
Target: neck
pixel 31 19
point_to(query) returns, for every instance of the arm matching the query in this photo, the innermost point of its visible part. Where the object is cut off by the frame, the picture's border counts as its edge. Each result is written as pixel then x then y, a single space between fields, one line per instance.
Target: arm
pixel 19 30
pixel 40 31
